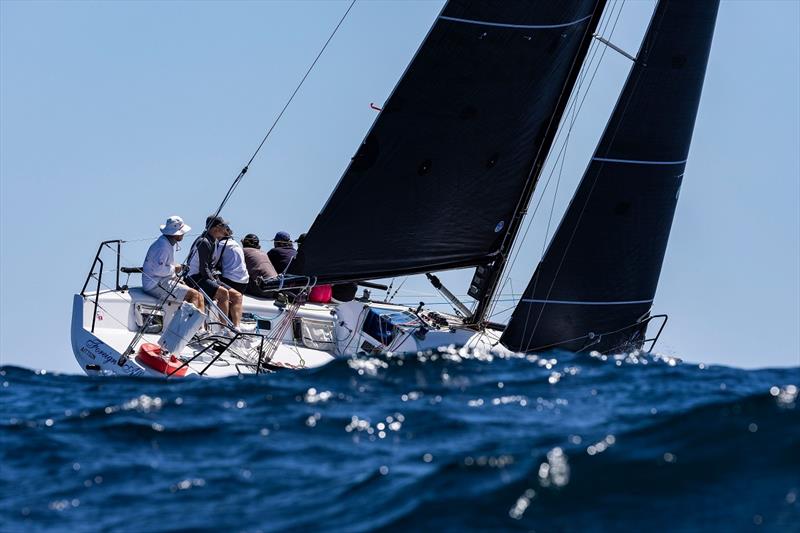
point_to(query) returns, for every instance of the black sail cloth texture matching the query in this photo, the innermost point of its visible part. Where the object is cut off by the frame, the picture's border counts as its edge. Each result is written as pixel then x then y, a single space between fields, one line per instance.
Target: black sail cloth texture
pixel 598 277
pixel 438 178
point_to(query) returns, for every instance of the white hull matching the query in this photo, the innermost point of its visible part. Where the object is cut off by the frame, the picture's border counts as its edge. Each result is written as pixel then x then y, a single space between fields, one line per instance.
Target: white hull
pixel 306 338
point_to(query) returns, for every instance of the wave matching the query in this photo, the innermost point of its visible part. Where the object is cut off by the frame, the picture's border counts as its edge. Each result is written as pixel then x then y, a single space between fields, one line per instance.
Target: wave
pixel 446 441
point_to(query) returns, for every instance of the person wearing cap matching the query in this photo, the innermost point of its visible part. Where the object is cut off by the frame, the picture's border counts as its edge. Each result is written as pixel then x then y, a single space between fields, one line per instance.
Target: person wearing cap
pixel 283 252
pixel 299 262
pixel 160 272
pixel 258 266
pixel 228 299
pixel 231 263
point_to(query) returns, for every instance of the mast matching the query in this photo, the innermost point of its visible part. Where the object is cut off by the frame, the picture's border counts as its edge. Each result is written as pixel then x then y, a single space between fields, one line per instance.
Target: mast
pixel 484 284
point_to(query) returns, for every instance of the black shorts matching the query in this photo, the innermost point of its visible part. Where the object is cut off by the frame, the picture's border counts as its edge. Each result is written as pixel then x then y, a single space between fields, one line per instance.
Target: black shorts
pixel 241 287
pixel 208 286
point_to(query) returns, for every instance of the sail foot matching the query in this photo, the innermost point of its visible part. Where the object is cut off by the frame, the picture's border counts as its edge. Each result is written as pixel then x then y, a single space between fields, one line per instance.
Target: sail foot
pixel 577 326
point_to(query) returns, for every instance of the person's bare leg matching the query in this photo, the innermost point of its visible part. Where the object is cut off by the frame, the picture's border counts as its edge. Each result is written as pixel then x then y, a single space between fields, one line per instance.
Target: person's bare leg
pixel 196 299
pixel 235 313
pixel 221 298
pixel 201 302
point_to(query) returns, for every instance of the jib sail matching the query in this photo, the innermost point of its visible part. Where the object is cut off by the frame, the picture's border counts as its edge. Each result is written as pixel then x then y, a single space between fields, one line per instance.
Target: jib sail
pixel 596 282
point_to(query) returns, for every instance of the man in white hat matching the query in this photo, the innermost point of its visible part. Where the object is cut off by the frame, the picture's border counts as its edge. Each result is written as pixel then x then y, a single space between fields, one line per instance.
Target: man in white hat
pixel 160 272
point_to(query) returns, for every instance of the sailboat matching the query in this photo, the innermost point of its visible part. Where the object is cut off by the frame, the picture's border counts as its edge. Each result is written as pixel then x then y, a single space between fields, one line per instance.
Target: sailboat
pixel 443 180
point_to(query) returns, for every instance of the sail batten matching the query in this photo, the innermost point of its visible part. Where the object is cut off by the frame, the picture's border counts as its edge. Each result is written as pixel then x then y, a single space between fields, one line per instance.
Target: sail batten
pixel 517 26
pixel 637 161
pixel 438 179
pixel 610 244
pixel 575 302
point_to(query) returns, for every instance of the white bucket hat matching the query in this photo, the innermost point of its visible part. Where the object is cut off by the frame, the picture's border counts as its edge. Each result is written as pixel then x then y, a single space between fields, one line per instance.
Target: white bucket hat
pixel 175 226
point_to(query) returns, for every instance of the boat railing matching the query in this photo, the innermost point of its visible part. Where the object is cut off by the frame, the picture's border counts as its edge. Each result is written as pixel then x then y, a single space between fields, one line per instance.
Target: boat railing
pixel 97 273
pixel 653 340
pixel 221 345
pixel 593 339
pixel 633 343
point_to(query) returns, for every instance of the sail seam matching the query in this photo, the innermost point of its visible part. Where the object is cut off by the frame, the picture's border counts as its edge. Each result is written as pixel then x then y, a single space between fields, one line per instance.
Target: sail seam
pixel 637 161
pixel 574 302
pixel 516 26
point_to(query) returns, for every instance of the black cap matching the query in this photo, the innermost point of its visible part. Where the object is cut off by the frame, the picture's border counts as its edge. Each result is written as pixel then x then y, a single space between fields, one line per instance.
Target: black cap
pixel 214 221
pixel 250 241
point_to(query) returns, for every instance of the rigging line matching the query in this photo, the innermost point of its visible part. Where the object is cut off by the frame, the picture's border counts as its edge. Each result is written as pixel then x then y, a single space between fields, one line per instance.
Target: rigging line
pixel 389 289
pixel 572 103
pixel 500 267
pixel 506 280
pixel 558 182
pixel 536 280
pixel 286 105
pixel 561 152
pixel 555 196
pixel 574 231
pixel 507 309
pixel 150 239
pixel 592 54
pixel 602 26
pixel 398 289
pixel 576 107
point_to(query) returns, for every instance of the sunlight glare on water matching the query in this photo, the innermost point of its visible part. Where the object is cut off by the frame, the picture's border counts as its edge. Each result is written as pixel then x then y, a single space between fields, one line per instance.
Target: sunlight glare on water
pixel 443 440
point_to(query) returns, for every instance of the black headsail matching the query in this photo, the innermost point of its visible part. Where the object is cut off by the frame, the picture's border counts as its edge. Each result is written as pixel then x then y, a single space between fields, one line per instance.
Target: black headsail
pixel 438 179
pixel 598 277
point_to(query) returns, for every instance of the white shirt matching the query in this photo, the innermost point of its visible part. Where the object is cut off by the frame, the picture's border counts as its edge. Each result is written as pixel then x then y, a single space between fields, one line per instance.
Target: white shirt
pixel 159 263
pixel 233 265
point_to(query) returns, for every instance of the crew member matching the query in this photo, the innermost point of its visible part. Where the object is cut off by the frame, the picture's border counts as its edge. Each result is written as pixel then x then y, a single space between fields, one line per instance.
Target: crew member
pixel 160 272
pixel 258 266
pixel 228 299
pixel 283 252
pixel 232 264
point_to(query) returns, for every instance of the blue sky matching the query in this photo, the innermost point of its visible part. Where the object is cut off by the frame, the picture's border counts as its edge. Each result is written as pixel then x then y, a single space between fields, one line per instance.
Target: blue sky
pixel 115 115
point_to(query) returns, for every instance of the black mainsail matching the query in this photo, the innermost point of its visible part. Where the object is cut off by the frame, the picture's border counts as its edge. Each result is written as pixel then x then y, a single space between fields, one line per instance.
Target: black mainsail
pixel 439 178
pixel 596 282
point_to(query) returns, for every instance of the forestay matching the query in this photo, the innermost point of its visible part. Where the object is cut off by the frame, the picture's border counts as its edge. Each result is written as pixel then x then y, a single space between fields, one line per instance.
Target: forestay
pixel 598 277
pixel 441 173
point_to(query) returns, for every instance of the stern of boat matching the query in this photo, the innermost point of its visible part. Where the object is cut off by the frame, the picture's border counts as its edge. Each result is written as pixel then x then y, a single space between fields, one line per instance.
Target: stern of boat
pixel 94 356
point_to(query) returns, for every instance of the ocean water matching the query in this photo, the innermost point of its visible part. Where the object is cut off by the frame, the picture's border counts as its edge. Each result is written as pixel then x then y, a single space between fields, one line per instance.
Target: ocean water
pixel 445 442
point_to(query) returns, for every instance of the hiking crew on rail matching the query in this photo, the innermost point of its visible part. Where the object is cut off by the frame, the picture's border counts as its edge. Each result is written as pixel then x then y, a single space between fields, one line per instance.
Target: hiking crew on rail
pixel 228 299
